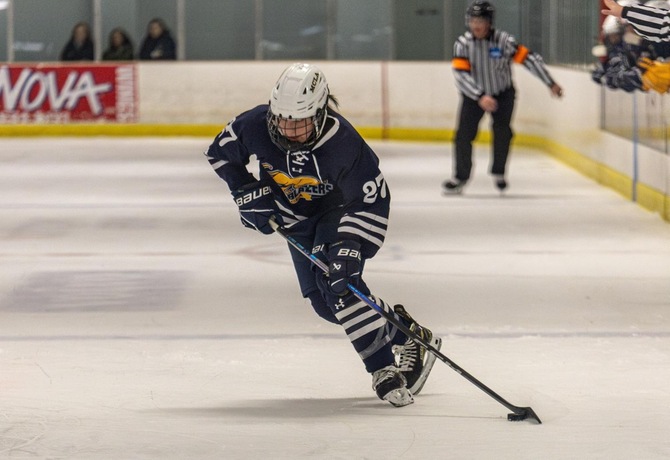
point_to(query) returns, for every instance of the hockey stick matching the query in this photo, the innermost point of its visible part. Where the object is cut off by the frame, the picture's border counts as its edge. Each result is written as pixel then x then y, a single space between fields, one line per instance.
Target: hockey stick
pixel 518 413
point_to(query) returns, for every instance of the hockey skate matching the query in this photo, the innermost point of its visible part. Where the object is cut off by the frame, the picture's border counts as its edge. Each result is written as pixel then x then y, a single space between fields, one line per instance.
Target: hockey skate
pixel 390 385
pixel 453 187
pixel 500 182
pixel 413 360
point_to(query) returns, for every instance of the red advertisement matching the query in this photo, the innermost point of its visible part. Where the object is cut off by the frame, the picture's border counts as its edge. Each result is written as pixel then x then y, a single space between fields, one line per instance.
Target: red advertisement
pixel 67 93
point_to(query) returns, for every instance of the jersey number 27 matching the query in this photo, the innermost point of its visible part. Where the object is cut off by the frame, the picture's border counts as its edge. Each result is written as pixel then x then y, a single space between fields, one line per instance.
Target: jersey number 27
pixel 374 188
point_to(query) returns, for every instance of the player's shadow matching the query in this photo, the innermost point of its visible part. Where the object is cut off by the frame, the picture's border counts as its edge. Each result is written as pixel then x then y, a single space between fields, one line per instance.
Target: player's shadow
pixel 506 196
pixel 283 408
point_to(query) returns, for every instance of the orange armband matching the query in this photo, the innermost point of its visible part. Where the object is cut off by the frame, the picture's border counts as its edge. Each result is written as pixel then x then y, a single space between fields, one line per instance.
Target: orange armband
pixel 461 64
pixel 521 54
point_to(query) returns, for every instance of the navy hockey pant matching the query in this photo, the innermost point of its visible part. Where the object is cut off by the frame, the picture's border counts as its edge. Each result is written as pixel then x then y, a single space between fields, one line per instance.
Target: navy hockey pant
pixel 370 334
pixel 470 114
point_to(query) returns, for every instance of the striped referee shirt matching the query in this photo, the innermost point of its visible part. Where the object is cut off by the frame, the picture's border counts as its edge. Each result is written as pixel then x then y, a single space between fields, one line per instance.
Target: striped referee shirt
pixel 652 23
pixel 484 66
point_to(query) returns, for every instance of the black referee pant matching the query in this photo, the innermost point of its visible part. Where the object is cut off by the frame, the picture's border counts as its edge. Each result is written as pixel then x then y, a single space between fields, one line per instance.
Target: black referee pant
pixel 468 125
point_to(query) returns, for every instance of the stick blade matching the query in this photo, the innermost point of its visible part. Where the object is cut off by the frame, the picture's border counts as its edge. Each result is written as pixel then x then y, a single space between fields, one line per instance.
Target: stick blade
pixel 524 413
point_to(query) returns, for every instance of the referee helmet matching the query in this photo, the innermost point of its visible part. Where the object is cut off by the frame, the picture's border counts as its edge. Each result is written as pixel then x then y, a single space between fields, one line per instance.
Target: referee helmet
pixel 480 9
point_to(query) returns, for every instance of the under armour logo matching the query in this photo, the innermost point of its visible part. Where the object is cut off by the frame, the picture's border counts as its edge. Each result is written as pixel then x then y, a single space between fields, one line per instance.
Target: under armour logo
pixel 340 304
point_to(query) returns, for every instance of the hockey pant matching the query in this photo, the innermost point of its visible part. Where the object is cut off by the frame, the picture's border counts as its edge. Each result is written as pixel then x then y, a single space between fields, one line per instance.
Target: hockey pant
pixel 371 334
pixel 470 114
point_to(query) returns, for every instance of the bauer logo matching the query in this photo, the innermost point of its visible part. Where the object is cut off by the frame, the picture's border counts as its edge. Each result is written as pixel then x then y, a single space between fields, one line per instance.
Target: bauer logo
pixel 252 196
pixel 60 94
pixel 344 252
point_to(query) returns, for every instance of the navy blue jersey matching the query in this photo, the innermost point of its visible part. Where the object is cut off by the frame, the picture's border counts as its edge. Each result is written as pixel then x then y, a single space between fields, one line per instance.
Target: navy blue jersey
pixel 340 170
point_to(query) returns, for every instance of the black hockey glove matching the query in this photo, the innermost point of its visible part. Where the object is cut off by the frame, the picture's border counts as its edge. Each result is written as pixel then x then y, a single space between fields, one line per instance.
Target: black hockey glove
pixel 344 266
pixel 257 206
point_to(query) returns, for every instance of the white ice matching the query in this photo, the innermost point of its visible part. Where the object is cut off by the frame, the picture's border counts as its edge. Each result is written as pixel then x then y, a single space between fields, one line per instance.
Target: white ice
pixel 140 320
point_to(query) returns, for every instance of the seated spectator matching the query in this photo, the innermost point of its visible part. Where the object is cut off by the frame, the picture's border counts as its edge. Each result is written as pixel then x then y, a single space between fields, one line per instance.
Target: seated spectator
pixel 80 45
pixel 158 43
pixel 120 47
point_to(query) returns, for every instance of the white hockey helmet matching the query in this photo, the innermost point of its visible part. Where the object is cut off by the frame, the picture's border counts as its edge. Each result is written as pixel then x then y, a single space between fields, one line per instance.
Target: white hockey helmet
pixel 301 93
pixel 613 25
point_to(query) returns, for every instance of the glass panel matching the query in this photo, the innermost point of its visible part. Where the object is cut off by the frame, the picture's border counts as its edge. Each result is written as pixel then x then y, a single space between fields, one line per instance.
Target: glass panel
pixel 618 112
pixel 653 123
pixel 43 27
pixel 531 29
pixel 307 29
pixel 618 116
pixel 294 29
pixel 419 30
pixel 571 32
pixel 509 18
pixel 220 29
pixel 3 30
pixel 455 25
pixel 363 30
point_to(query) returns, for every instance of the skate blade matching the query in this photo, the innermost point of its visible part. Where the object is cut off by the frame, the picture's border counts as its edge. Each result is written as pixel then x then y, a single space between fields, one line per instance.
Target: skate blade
pixel 427 367
pixel 400 397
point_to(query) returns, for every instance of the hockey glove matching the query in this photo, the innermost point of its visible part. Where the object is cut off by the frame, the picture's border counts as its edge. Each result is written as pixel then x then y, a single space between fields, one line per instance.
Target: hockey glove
pixel 257 206
pixel 655 75
pixel 344 266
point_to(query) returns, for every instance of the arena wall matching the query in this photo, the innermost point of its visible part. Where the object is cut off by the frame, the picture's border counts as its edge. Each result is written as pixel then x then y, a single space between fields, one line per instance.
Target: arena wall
pixel 394 100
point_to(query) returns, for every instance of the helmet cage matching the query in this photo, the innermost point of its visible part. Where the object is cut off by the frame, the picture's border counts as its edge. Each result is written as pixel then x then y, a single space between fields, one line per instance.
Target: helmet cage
pixel 281 136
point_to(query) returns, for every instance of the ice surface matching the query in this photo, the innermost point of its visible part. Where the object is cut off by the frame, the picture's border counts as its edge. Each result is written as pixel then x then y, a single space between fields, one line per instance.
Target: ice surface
pixel 139 319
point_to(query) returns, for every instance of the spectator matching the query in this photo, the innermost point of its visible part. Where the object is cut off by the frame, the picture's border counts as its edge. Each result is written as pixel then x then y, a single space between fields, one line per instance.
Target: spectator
pixel 120 47
pixel 80 45
pixel 158 43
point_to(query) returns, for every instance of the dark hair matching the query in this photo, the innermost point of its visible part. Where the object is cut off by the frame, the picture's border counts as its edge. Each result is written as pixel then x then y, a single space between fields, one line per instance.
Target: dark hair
pixel 333 100
pixel 160 22
pixel 82 24
pixel 124 34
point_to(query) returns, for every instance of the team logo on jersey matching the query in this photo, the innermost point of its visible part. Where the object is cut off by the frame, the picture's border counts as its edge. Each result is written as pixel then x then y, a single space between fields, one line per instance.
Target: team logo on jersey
pixel 299 187
pixel 495 52
pixel 340 304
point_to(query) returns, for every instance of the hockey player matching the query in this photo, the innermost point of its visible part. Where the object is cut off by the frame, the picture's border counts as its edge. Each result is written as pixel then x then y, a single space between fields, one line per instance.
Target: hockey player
pixel 618 67
pixel 319 180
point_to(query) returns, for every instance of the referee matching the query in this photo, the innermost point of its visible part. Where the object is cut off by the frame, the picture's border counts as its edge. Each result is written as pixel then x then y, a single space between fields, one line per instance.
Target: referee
pixel 482 69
